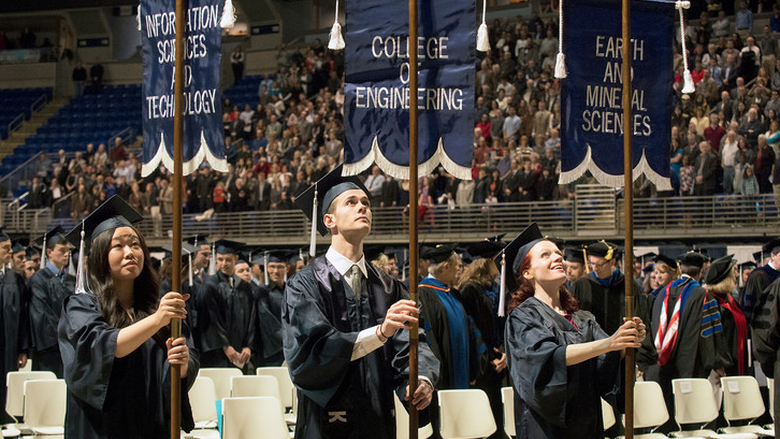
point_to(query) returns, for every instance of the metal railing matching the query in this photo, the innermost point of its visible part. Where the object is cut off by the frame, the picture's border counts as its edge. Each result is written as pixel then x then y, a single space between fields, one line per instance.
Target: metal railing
pixel 14 124
pixel 585 218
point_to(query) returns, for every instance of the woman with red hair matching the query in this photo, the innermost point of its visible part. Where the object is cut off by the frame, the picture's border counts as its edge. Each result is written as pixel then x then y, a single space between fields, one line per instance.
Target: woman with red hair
pixel 560 359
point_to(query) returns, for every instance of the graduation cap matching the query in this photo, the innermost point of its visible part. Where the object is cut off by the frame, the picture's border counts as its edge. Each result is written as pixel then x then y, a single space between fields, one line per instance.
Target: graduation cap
pixel 485 249
pixel 720 269
pixel 3 236
pixel 771 245
pixel 441 253
pixel 187 250
pixel 692 259
pixel 758 257
pixel 602 249
pixel 17 245
pixel 572 254
pixel 113 213
pixel 50 239
pixel 559 242
pixel 31 252
pixel 511 258
pixel 666 260
pixel 650 256
pixel 228 247
pixel 317 198
pixel 373 252
pixel 197 240
pixel 749 265
pixel 648 269
pixel 425 252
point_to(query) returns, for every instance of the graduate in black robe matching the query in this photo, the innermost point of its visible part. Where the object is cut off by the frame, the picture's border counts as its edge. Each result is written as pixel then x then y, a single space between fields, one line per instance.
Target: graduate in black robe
pixel 14 323
pixel 187 284
pixel 226 314
pixel 269 309
pixel 115 339
pixel 49 287
pixel 345 327
pixel 693 351
pixel 761 277
pixel 560 360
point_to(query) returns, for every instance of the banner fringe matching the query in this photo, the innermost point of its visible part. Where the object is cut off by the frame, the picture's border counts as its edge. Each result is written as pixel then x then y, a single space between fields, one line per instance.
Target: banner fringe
pixel 204 155
pixel 400 172
pixel 615 181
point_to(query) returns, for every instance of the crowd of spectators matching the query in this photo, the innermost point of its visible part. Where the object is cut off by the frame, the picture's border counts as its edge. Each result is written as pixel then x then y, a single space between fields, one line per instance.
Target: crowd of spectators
pixel 725 135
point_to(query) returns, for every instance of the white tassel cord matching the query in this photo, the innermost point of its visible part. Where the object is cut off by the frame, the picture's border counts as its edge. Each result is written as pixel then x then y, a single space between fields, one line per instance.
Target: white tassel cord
pixel 336 39
pixel 560 60
pixel 313 237
pixel 43 251
pixel 189 266
pixel 688 86
pixel 213 261
pixel 138 16
pixel 265 268
pixel 81 274
pixel 483 42
pixel 228 15
pixel 502 289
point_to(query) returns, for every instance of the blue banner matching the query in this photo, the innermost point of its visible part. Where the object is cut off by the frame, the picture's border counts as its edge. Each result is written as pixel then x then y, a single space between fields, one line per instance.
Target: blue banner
pixel 592 93
pixel 377 86
pixel 204 138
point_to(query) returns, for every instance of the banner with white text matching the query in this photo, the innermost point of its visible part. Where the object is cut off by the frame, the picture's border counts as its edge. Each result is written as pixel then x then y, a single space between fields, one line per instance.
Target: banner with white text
pixel 204 138
pixel 592 93
pixel 376 88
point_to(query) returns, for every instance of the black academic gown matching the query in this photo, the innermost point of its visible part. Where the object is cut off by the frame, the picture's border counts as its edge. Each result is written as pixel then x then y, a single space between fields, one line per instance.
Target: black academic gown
pixel 695 351
pixel 48 294
pixel 766 340
pixel 268 337
pixel 227 318
pixel 321 318
pixel 607 304
pixel 759 279
pixel 553 400
pixel 189 306
pixel 14 324
pixel 111 397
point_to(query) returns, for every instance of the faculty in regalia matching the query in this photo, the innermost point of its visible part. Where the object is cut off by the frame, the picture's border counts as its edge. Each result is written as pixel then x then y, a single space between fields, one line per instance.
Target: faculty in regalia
pixel 114 336
pixel 226 314
pixel 721 281
pixel 49 287
pixel 560 360
pixel 14 323
pixel 761 277
pixel 345 326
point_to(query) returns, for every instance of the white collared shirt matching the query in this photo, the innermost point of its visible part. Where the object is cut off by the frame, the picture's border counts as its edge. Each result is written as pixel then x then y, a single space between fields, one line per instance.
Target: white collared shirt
pixel 343 264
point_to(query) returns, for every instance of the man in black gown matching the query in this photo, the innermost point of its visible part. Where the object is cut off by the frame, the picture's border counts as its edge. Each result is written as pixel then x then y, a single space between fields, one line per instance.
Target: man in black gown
pixel 340 318
pixel 49 287
pixel 269 310
pixel 226 314
pixel 761 277
pixel 14 326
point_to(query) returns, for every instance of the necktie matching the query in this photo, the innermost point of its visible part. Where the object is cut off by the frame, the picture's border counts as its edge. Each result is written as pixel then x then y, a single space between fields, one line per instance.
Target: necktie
pixel 354 279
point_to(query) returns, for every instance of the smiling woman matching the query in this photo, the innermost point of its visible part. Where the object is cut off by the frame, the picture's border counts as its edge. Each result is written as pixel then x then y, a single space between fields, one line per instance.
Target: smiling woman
pixel 114 338
pixel 560 359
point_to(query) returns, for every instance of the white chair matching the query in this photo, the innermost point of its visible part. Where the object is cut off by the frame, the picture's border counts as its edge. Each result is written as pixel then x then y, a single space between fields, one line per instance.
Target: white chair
pixel 742 400
pixel 694 404
pixel 253 418
pixel 649 409
pixel 465 414
pixel 254 385
pixel 14 381
pixel 508 400
pixel 607 414
pixel 402 422
pixel 44 406
pixel 287 390
pixel 770 384
pixel 203 399
pixel 221 377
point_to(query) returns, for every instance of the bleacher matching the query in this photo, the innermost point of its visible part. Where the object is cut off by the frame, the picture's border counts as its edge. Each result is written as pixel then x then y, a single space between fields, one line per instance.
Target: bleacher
pixel 19 101
pixel 246 91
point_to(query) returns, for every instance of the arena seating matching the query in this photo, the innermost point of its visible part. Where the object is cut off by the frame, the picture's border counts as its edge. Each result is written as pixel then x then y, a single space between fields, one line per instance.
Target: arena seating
pixel 16 102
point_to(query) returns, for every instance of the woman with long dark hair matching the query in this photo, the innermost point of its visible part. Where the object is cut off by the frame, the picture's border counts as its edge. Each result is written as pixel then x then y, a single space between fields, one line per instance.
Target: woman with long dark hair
pixel 114 337
pixel 560 359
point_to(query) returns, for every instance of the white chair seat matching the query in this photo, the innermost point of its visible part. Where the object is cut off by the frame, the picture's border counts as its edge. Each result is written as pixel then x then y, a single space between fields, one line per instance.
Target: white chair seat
pixel 695 434
pixel 48 431
pixel 754 429
pixel 202 434
pixel 465 414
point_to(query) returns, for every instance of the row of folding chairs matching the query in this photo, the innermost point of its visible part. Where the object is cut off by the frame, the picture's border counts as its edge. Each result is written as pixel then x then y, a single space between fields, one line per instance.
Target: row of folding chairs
pixel 40 398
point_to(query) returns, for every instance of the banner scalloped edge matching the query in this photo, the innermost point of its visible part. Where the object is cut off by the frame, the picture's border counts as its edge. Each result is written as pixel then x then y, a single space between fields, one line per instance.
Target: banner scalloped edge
pixel 615 181
pixel 204 155
pixel 402 172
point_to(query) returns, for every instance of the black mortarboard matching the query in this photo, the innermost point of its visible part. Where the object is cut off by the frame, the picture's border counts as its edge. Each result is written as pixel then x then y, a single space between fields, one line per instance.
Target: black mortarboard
pixel 720 269
pixel 186 250
pixel 228 247
pixel 18 245
pixel 53 237
pixel 113 213
pixel 648 256
pixel 649 268
pixel 325 191
pixel 515 252
pixel 31 251
pixel 749 265
pixel 197 240
pixel 278 256
pixel 666 260
pixel 758 256
pixel 485 249
pixel 692 259
pixel 3 236
pixel 603 249
pixel 441 253
pixel 572 254
pixel 769 246
pixel 373 252
pixel 425 251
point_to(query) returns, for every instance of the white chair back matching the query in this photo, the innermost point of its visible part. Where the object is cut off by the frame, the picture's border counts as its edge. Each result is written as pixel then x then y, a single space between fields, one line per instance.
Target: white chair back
pixel 253 418
pixel 693 401
pixel 221 377
pixel 402 422
pixel 771 386
pixel 741 398
pixel 508 400
pixel 465 414
pixel 44 406
pixel 254 385
pixel 203 397
pixel 14 382
pixel 649 406
pixel 286 387
pixel 607 414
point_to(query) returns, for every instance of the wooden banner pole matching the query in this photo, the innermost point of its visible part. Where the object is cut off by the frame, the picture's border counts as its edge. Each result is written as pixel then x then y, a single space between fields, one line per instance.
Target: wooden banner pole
pixel 412 215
